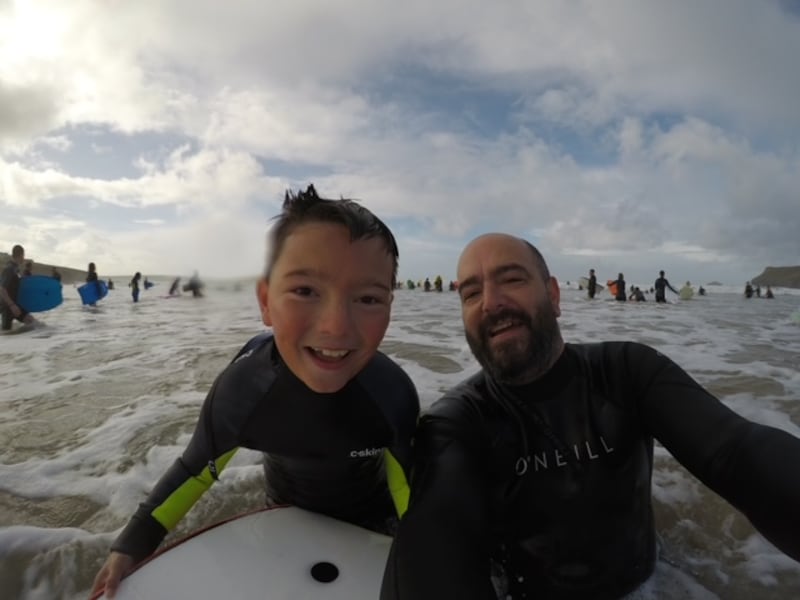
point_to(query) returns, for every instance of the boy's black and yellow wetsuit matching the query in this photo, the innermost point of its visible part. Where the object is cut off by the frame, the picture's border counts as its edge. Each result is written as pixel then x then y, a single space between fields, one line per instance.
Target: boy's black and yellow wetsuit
pixel 344 454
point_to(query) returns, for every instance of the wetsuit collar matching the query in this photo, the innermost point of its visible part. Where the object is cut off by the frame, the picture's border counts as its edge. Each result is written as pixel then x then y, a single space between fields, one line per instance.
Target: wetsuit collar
pixel 548 384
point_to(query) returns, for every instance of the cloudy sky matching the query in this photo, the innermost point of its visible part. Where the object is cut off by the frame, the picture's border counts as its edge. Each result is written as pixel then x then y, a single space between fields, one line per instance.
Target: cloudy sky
pixel 629 136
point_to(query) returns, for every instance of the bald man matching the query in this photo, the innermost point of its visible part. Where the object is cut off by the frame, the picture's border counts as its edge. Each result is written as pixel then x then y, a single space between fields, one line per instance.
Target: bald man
pixel 532 478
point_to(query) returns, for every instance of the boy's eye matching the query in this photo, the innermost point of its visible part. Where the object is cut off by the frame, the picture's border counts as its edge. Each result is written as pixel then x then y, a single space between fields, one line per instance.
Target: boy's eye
pixel 370 300
pixel 303 291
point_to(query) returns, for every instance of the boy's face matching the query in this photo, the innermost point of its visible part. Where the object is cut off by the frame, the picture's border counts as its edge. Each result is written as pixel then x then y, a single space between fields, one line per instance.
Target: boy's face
pixel 328 302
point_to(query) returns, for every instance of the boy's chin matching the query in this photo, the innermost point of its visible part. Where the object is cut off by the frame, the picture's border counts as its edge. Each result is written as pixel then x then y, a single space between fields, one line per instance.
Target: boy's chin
pixel 325 385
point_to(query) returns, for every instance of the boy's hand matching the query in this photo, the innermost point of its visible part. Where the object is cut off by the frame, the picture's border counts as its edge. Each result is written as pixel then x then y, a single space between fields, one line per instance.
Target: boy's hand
pixel 117 565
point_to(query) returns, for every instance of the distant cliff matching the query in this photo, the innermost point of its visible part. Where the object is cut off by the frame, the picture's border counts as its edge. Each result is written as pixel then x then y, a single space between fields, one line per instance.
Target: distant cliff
pixel 779 277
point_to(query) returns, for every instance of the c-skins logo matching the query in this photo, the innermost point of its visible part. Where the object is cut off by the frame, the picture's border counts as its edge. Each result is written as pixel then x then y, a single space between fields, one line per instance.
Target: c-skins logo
pixel 365 452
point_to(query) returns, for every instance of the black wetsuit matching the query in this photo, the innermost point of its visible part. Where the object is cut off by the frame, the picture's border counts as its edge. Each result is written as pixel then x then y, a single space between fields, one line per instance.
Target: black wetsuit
pixel 9 280
pixel 592 287
pixel 337 454
pixel 620 295
pixel 661 286
pixel 552 479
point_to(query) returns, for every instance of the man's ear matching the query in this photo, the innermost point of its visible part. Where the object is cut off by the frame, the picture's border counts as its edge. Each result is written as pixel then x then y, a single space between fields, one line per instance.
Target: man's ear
pixel 262 293
pixel 554 292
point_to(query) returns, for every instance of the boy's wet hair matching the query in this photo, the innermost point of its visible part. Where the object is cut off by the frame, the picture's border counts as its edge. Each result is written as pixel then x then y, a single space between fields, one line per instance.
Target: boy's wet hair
pixel 307 207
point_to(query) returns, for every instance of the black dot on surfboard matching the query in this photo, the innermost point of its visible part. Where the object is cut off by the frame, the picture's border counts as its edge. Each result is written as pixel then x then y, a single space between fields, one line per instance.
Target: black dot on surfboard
pixel 324 572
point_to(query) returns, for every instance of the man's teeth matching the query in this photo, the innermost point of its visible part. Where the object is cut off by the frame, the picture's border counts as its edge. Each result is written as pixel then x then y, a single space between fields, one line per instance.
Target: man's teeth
pixel 331 353
pixel 505 324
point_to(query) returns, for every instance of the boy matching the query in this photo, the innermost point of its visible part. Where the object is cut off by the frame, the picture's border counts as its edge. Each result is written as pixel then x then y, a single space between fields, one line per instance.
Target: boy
pixel 333 416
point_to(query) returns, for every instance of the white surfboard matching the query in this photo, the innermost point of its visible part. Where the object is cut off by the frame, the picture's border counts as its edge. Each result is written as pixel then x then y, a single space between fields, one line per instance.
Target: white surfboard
pixel 274 554
pixel 584 283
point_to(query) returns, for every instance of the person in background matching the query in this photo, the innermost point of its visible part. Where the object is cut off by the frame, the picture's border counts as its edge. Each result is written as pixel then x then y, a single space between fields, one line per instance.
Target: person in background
pixel 591 289
pixel 541 463
pixel 175 288
pixel 637 295
pixel 661 286
pixel 748 290
pixel 91 275
pixel 9 289
pixel 28 271
pixel 769 293
pixel 195 286
pixel 620 295
pixel 134 285
pixel 333 416
pixel 55 274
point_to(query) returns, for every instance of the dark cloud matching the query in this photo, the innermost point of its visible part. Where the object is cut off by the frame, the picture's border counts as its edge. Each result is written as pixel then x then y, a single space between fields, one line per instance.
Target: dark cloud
pixel 26 111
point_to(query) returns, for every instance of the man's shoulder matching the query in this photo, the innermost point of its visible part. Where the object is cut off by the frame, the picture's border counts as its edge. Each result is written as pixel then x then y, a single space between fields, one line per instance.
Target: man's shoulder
pixel 615 354
pixel 464 400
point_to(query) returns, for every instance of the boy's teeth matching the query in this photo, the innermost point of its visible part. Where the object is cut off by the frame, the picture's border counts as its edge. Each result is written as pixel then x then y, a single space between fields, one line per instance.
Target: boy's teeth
pixel 331 353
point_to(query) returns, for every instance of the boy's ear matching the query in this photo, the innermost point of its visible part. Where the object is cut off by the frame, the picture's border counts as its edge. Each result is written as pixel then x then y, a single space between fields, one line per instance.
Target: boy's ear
pixel 262 293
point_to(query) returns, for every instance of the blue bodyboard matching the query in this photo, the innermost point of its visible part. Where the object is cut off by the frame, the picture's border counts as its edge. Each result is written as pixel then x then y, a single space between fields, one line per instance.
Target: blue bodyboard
pixel 38 293
pixel 93 291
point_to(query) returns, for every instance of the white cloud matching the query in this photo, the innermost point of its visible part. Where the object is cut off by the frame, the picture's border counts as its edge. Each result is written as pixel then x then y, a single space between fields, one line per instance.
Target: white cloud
pixel 687 112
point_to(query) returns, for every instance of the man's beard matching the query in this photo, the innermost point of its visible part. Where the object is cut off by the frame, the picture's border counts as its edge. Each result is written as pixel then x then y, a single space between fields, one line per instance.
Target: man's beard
pixel 520 360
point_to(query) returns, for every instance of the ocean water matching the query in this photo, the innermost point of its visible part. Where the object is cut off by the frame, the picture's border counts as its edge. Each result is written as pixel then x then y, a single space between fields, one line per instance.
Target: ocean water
pixel 95 406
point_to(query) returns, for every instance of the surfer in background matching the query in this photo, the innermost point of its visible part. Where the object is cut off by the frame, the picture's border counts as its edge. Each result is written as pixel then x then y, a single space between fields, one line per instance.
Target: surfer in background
pixel 174 289
pixel 91 275
pixel 55 274
pixel 9 287
pixel 620 295
pixel 661 286
pixel 28 271
pixel 333 416
pixel 542 461
pixel 134 285
pixel 591 288
pixel 637 295
pixel 195 286
pixel 769 294
pixel 748 290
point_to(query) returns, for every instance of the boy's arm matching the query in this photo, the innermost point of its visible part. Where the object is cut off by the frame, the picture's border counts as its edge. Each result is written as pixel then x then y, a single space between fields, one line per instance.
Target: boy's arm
pixel 189 477
pixel 441 549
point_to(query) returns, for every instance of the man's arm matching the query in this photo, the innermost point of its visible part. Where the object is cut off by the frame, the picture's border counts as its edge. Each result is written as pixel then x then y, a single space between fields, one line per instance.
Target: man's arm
pixel 752 466
pixel 441 549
